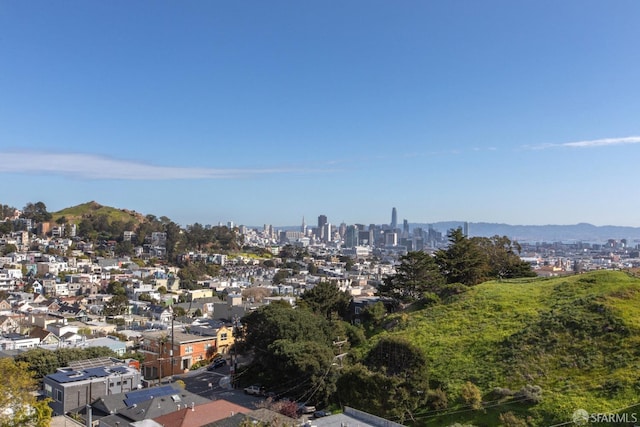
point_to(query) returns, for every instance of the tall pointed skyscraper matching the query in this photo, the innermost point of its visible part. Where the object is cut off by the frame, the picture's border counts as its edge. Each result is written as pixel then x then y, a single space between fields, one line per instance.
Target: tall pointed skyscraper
pixel 394 218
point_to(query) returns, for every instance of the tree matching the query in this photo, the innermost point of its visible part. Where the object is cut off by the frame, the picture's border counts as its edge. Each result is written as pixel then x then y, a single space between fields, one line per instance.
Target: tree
pixel 398 357
pixel 6 227
pixel 116 288
pixel 6 211
pixel 179 311
pixel 117 305
pixel 193 272
pixel 292 346
pixel 417 273
pixel 309 362
pixel 36 211
pixel 18 403
pixel 196 236
pixel 279 320
pixel 462 261
pixel 174 237
pixel 280 276
pixel 374 314
pixel 503 261
pixel 326 300
pixel 124 248
pixel 9 248
pixel 383 395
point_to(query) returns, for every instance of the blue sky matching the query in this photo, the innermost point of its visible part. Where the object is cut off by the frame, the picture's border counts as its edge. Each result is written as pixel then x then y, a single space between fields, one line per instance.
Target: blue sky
pixel 260 112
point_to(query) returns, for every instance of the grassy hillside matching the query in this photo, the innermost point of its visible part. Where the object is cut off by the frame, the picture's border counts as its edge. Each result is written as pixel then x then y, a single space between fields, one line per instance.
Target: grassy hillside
pixel 578 338
pixel 75 214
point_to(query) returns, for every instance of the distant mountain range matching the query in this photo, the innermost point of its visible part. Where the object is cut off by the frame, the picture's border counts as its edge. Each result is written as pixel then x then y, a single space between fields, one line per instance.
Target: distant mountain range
pixel 542 233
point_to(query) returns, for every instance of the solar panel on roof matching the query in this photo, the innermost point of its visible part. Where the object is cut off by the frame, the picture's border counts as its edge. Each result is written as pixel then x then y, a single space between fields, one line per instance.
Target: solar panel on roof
pixel 96 372
pixel 91 363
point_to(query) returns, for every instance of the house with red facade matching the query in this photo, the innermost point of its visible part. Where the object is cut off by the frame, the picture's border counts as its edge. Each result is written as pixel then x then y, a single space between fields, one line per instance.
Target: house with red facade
pixel 169 354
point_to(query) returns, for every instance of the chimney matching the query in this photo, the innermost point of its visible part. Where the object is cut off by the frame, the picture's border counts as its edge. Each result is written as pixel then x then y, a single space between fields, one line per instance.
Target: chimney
pixel 89 416
pixel 193 406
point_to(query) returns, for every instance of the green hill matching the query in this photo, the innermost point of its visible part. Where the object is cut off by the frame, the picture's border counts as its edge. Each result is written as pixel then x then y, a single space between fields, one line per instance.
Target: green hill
pixel 575 337
pixel 75 214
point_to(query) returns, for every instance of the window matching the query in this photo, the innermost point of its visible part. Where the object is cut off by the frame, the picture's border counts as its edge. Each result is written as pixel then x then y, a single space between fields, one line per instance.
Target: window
pixel 223 336
pixel 188 349
pixel 59 395
pixel 48 390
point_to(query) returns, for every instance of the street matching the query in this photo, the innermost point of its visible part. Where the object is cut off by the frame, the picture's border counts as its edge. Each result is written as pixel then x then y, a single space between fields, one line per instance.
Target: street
pixel 208 384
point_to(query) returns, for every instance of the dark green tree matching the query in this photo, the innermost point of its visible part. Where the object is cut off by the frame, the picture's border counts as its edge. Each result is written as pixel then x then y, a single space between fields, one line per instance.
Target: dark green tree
pixel 196 236
pixel 124 248
pixel 86 229
pixel 6 211
pixel 308 361
pixel 6 227
pixel 174 238
pixel 374 314
pixel 9 248
pixel 384 395
pixel 327 300
pixel 279 320
pixel 193 272
pixel 502 258
pixel 280 276
pixel 463 260
pixel 293 347
pixel 116 288
pixel 36 211
pixel 116 306
pixel 417 273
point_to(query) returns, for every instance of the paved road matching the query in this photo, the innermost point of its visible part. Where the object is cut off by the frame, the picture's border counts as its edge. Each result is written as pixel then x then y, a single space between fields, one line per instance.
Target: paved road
pixel 207 384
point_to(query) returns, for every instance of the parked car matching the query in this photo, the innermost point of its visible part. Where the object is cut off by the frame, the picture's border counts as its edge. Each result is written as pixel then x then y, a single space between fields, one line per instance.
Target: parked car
pixel 255 390
pixel 217 363
pixel 320 414
pixel 304 408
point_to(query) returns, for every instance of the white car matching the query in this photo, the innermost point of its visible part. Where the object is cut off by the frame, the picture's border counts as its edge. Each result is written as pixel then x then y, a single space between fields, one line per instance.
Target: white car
pixel 254 390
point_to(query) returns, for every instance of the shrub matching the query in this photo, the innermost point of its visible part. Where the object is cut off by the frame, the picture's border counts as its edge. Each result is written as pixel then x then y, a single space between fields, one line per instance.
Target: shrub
pixel 531 393
pixel 509 419
pixel 471 395
pixel 611 387
pixel 451 290
pixel 437 399
pixel 428 299
pixel 503 392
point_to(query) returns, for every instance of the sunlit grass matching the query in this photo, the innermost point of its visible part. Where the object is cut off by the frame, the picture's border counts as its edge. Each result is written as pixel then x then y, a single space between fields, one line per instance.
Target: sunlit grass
pixel 576 337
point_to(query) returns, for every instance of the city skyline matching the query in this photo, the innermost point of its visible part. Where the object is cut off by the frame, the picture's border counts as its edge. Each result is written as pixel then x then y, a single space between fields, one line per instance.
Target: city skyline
pixel 260 113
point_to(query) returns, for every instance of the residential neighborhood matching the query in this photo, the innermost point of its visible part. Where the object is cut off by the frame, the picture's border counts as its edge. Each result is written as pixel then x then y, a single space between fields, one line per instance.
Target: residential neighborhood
pixel 59 290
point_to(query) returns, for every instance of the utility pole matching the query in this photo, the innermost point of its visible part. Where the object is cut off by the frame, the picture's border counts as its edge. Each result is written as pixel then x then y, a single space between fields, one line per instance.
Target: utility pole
pixel 171 351
pixel 234 364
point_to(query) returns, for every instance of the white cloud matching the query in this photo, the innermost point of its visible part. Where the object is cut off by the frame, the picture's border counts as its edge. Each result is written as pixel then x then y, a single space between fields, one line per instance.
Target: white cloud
pixel 605 142
pixel 91 166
